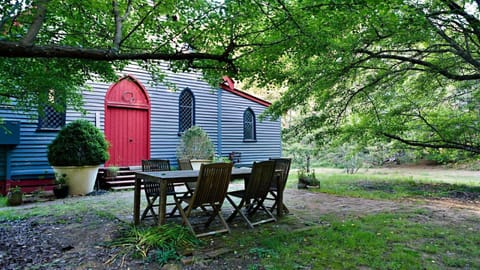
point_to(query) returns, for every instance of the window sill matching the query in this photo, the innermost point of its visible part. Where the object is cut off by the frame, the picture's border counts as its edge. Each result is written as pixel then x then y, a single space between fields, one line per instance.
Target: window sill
pixel 249 141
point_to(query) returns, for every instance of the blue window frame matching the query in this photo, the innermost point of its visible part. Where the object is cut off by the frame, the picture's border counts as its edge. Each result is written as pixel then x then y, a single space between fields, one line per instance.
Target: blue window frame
pixel 249 127
pixel 186 110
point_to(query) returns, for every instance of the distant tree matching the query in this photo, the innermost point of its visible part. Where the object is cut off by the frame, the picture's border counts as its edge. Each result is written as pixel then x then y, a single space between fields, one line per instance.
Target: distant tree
pixel 375 70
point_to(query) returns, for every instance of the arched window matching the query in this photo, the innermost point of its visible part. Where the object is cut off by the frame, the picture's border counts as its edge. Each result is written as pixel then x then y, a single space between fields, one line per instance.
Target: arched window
pixel 51 119
pixel 249 129
pixel 186 110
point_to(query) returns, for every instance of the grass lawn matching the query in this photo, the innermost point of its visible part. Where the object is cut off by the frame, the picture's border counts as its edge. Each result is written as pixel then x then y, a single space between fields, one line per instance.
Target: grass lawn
pixel 381 241
pixel 402 240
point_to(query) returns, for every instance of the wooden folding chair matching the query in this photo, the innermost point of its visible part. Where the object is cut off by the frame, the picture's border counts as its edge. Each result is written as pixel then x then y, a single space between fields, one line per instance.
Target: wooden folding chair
pixel 210 192
pixel 184 164
pixel 282 169
pixel 152 190
pixel 254 194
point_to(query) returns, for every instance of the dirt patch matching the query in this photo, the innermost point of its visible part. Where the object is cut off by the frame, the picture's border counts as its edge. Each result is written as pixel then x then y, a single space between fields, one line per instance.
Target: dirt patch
pixel 78 242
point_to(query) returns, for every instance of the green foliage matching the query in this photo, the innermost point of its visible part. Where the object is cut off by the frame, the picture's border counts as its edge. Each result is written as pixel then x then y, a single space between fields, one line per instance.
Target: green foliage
pixel 307 178
pixel 79 143
pixel 361 73
pixel 112 171
pixel 302 151
pixel 31 82
pixel 445 156
pixel 263 252
pixel 156 243
pixel 60 179
pixel 195 144
pixel 220 159
pixel 3 202
pixel 81 41
pixel 355 72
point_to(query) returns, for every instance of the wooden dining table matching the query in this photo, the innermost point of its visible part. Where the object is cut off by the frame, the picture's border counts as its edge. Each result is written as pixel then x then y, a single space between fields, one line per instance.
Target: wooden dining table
pixel 165 177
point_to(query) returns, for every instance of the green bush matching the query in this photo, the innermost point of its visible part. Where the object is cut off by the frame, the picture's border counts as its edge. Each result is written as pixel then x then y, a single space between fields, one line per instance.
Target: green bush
pixel 195 144
pixel 79 143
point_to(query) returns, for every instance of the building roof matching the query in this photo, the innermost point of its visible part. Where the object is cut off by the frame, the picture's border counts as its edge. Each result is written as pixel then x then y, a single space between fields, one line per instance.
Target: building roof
pixel 228 85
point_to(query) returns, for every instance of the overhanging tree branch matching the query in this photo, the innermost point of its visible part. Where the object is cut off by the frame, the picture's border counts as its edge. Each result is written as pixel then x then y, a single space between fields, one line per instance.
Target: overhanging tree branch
pixel 439 145
pixel 15 50
pixel 429 65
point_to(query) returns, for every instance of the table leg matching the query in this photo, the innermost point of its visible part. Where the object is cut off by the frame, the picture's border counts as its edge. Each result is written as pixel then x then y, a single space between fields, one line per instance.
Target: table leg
pixel 136 201
pixel 162 207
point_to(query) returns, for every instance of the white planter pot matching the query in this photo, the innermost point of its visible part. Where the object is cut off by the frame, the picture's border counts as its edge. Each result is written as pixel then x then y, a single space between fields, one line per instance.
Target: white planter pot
pixel 80 180
pixel 197 162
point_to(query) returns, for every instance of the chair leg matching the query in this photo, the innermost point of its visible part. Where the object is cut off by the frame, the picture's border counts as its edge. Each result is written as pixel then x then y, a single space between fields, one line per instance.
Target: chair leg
pixel 272 208
pixel 235 207
pixel 149 208
pixel 238 210
pixel 261 205
pixel 175 208
pixel 216 212
pixel 212 215
pixel 244 217
pixel 222 220
pixel 184 216
pixel 284 208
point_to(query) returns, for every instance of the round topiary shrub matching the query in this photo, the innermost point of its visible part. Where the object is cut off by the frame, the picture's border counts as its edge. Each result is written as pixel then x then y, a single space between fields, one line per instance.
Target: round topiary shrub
pixel 195 144
pixel 79 143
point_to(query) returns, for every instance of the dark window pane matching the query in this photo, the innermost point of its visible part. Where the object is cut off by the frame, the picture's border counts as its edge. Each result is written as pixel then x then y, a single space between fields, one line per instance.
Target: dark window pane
pixel 186 111
pixel 51 120
pixel 249 125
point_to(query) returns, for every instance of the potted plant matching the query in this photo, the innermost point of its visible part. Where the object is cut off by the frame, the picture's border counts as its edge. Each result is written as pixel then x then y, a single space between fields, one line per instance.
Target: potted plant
pixel 307 179
pixel 60 190
pixel 77 151
pixel 196 146
pixel 112 171
pixel 14 196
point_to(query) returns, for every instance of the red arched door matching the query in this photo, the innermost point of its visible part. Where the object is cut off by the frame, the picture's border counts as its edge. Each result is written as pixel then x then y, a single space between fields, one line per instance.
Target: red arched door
pixel 127 122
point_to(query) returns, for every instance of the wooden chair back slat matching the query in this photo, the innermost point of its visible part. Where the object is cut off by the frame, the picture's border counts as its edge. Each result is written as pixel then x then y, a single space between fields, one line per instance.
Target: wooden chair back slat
pixel 184 164
pixel 282 168
pixel 254 195
pixel 152 190
pixel 212 184
pixel 260 180
pixel 155 165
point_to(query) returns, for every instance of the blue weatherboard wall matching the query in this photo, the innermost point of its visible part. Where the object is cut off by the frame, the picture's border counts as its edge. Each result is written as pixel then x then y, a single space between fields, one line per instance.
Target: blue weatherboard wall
pixel 28 159
pixel 164 116
pixel 268 143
